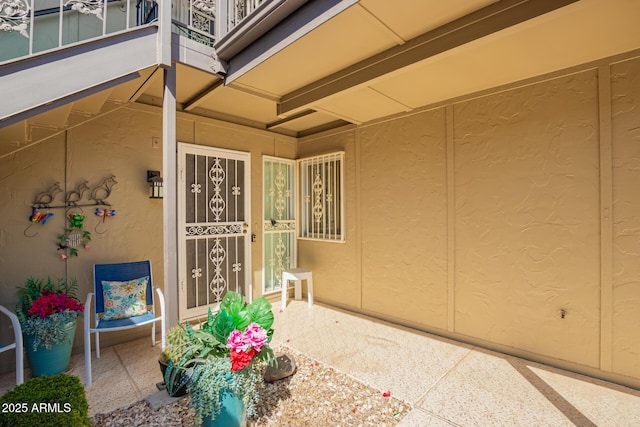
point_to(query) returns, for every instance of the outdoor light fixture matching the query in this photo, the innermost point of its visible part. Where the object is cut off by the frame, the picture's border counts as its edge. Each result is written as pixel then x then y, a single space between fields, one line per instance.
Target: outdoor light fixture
pixel 155 184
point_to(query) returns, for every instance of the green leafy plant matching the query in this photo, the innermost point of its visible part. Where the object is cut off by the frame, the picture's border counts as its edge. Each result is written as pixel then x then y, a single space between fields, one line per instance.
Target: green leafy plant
pixel 223 353
pixel 46 307
pixel 176 344
pixel 47 401
pixel 214 377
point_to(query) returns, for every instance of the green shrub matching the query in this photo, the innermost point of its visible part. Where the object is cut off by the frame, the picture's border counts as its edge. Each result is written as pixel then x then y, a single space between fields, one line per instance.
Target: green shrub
pixel 56 400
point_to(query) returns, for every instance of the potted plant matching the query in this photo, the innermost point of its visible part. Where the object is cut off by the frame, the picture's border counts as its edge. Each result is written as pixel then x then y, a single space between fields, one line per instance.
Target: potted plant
pixel 176 347
pixel 222 360
pixel 47 312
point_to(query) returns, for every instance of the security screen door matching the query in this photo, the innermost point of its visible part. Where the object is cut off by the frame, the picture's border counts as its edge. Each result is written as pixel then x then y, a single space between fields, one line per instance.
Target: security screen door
pixel 214 211
pixel 278 220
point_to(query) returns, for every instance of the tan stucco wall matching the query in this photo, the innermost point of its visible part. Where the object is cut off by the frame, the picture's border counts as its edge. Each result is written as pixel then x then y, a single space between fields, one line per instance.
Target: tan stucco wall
pixel 481 220
pixel 527 218
pixel 119 144
pixel 625 88
pixel 340 282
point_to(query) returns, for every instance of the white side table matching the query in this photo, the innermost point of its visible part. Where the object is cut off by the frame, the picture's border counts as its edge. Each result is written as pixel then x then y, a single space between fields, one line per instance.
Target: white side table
pixel 297 275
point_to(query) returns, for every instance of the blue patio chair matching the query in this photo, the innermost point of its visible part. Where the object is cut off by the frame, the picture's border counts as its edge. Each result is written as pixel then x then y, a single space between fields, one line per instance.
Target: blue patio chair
pixel 17 344
pixel 121 286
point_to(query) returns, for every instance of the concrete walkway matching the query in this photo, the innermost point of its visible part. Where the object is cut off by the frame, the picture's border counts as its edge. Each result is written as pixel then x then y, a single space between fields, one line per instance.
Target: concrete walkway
pixel 446 382
pixel 453 384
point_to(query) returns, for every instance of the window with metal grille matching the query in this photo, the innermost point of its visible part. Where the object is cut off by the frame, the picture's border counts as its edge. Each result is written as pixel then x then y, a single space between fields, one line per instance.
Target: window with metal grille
pixel 321 192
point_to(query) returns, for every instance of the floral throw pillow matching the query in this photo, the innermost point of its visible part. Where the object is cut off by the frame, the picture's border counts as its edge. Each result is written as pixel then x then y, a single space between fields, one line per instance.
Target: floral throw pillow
pixel 125 299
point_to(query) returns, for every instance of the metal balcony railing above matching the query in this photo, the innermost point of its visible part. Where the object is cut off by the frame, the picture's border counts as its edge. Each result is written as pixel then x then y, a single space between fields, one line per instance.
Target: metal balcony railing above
pixel 28 27
pixel 205 20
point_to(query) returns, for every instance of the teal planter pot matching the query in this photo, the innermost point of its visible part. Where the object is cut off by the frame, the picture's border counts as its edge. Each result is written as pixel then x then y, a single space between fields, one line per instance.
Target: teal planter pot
pixel 232 414
pixel 52 361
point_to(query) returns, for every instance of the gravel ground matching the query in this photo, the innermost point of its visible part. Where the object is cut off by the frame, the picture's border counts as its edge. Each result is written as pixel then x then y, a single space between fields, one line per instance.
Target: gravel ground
pixel 316 395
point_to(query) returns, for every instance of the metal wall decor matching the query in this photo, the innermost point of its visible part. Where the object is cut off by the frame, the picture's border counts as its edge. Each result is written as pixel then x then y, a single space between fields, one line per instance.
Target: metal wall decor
pixel 75 236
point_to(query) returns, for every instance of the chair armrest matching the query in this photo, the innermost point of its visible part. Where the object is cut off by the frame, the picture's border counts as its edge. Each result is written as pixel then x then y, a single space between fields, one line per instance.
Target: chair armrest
pixel 87 311
pixel 163 332
pixel 160 300
pixel 17 330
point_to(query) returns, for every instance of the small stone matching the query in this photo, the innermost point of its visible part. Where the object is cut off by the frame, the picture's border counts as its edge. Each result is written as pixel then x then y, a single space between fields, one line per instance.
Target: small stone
pixel 285 368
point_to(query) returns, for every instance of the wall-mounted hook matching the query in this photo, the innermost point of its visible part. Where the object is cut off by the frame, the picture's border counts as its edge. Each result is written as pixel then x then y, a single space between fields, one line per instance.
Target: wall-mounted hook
pixel 27 229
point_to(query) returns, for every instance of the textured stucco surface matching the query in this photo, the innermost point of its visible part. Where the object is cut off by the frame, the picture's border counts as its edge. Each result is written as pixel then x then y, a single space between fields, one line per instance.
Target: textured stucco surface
pixel 625 88
pixel 117 144
pixel 404 218
pixel 527 218
pixel 334 265
pixel 482 221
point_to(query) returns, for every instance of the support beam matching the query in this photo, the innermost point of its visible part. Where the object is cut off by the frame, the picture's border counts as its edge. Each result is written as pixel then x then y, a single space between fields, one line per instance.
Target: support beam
pixel 481 23
pixel 170 203
pixel 164 34
pixel 96 64
pixel 42 109
pixel 197 100
pixel 278 123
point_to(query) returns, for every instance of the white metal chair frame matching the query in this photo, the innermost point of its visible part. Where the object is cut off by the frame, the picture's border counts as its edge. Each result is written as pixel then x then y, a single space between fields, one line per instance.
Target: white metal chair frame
pixel 17 345
pixel 119 272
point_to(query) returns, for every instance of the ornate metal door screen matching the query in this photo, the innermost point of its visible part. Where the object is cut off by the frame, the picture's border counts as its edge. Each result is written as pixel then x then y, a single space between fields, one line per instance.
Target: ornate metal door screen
pixel 214 196
pixel 279 222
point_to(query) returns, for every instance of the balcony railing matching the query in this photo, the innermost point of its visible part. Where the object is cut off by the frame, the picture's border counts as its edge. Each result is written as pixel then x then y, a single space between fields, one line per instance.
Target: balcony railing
pixel 29 27
pixel 205 20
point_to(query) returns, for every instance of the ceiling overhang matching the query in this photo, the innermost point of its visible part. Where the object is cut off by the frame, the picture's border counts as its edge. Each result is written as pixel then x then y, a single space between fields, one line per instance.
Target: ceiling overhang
pixel 478 24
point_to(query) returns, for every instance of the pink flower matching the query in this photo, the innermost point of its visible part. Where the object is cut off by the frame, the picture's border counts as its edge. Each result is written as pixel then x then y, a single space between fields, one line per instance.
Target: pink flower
pixel 63 257
pixel 236 341
pixel 87 246
pixel 255 336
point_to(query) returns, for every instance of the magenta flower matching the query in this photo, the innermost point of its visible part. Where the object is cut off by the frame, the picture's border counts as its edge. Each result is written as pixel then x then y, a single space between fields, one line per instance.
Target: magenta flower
pixel 237 342
pixel 255 336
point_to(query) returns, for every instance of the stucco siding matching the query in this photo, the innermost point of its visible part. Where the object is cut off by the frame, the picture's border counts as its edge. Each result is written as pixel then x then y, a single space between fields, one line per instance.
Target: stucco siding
pixel 527 218
pixel 486 219
pixel 335 265
pixel 625 87
pixel 119 144
pixel 404 218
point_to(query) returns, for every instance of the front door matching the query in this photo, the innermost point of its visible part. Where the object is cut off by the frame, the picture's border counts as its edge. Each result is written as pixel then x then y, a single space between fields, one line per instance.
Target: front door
pixel 214 198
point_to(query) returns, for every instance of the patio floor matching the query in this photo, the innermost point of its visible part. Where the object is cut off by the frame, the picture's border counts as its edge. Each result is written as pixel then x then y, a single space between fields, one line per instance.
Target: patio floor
pixel 446 382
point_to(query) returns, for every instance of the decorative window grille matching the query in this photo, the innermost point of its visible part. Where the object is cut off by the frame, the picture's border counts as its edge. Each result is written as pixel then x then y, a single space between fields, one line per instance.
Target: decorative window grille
pixel 279 221
pixel 321 190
